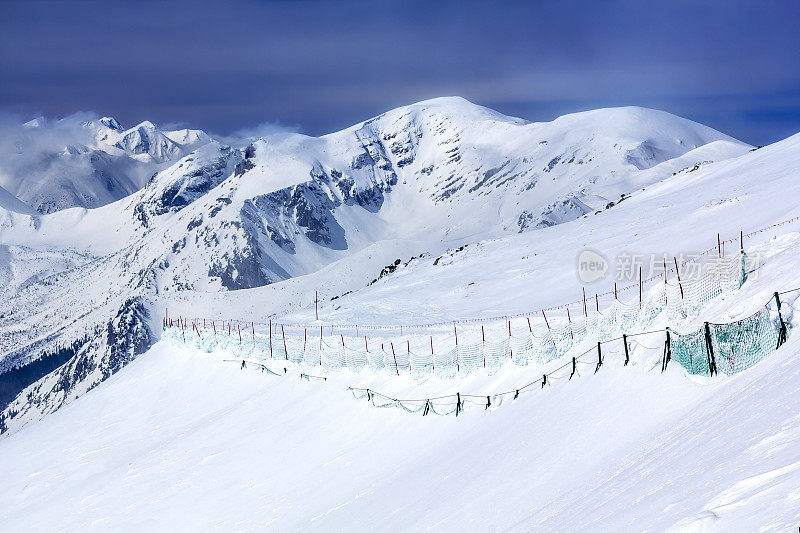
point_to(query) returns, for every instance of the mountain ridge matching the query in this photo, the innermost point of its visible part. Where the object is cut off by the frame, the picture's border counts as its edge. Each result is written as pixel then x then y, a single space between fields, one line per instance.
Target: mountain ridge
pixel 51 165
pixel 228 217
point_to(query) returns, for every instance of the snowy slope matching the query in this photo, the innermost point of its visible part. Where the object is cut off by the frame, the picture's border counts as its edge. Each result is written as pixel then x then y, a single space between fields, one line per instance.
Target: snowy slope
pixel 187 440
pixel 533 270
pixel 9 202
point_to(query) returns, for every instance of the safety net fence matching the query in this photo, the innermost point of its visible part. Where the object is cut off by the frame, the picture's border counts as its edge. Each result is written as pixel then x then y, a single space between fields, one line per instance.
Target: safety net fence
pixel 714 347
pixel 731 347
pixel 536 338
pixel 467 348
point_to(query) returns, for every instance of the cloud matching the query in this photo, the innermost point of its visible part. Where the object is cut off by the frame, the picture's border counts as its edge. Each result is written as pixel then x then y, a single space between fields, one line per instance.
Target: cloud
pixel 272 131
pixel 43 133
pixel 30 148
pixel 265 129
pixel 329 65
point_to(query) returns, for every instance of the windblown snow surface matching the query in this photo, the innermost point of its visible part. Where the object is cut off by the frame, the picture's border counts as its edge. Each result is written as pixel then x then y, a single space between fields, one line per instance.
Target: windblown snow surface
pixel 179 439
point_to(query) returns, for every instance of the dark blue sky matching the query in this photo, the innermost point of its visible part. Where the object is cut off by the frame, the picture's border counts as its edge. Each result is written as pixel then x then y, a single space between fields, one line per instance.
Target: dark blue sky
pixel 321 66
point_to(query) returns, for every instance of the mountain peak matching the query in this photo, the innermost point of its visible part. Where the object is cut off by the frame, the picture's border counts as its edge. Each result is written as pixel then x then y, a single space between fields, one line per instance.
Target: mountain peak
pixel 147 125
pixel 641 121
pixel 35 123
pixel 454 108
pixel 457 105
pixel 446 101
pixel 112 123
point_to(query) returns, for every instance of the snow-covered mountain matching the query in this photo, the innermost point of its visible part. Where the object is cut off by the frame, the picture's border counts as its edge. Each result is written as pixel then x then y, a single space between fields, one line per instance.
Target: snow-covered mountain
pixel 627 447
pixel 79 161
pixel 417 179
pixel 442 170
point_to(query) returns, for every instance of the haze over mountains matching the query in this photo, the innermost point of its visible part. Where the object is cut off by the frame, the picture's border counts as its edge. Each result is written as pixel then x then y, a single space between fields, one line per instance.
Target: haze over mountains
pixel 177 211
pixel 84 161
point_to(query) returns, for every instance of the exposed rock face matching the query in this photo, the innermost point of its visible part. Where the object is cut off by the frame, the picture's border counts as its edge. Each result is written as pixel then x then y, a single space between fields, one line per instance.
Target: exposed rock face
pixel 84 363
pixel 559 212
pixel 111 123
pixel 241 268
pixel 313 211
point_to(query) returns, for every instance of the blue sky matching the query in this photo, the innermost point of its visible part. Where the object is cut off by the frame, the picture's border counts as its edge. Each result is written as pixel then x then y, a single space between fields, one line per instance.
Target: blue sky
pixel 321 66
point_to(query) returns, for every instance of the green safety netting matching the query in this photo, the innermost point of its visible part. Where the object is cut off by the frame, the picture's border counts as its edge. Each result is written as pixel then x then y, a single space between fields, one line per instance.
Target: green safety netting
pixel 727 348
pixel 741 344
pixel 690 351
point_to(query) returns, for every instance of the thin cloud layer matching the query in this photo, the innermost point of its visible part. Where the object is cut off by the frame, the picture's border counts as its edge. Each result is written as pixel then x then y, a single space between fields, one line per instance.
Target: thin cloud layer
pixel 327 65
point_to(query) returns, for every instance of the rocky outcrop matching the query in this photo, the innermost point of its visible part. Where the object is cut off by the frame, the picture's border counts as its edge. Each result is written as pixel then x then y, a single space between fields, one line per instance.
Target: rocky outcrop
pixel 87 361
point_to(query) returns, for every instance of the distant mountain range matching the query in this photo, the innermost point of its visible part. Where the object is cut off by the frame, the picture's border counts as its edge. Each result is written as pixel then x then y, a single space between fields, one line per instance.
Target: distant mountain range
pixel 52 165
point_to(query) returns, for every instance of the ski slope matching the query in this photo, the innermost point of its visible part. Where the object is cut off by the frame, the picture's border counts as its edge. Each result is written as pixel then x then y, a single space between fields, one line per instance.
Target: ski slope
pixel 183 440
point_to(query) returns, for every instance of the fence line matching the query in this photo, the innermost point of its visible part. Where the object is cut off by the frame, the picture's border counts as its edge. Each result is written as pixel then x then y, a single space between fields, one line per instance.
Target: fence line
pixel 728 348
pixel 708 356
pixel 581 303
pixel 752 337
pixel 537 344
